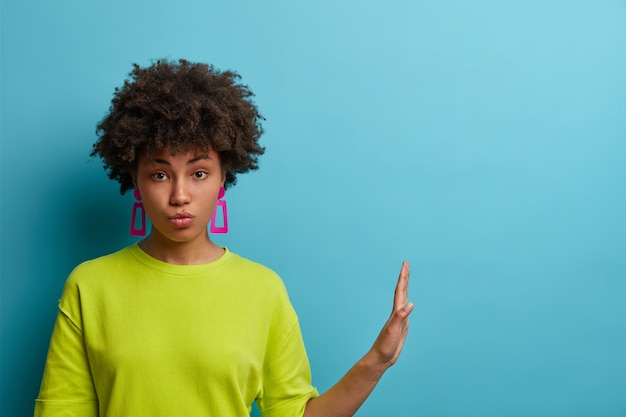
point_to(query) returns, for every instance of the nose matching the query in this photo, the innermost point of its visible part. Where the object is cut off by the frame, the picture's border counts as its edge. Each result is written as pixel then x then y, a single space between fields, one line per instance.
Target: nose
pixel 180 194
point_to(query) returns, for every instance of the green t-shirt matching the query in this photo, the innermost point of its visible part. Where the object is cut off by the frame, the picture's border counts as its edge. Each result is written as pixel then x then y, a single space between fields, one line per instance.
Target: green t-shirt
pixel 137 337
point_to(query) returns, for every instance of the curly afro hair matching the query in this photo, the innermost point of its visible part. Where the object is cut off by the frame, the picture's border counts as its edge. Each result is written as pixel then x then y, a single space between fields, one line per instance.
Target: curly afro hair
pixel 179 106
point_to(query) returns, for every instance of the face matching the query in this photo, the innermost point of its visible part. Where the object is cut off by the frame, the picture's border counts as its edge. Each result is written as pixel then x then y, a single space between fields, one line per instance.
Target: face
pixel 179 193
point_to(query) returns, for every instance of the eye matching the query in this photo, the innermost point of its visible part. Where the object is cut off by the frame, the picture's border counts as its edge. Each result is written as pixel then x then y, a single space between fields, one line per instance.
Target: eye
pixel 200 175
pixel 159 176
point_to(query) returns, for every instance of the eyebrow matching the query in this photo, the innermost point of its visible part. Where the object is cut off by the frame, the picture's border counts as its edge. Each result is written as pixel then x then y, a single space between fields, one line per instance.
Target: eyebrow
pixel 191 161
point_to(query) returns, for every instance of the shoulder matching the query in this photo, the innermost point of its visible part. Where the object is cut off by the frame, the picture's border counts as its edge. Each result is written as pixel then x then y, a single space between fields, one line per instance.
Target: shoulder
pixel 248 266
pixel 86 280
pixel 264 292
pixel 253 273
pixel 89 269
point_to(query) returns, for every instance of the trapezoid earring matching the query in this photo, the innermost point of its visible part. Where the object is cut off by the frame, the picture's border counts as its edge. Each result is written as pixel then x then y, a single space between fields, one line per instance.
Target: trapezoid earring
pixel 220 206
pixel 138 206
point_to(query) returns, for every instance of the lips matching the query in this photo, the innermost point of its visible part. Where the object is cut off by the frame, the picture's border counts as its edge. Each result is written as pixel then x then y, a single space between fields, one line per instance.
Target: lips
pixel 182 219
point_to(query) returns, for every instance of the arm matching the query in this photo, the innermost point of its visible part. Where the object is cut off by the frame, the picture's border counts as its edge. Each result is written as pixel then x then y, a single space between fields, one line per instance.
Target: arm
pixel 345 397
pixel 66 387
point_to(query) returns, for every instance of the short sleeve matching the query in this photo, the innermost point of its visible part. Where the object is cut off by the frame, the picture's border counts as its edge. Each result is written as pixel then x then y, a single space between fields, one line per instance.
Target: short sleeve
pixel 67 388
pixel 287 384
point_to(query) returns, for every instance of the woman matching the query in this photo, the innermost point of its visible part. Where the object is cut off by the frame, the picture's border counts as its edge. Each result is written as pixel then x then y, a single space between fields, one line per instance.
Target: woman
pixel 176 325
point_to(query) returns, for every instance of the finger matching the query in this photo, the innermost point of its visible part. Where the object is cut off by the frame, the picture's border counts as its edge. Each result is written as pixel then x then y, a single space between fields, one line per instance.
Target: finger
pixel 406 310
pixel 399 294
pixel 402 287
pixel 399 317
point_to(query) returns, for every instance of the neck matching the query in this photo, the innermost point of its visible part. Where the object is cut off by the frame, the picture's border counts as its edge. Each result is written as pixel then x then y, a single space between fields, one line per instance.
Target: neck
pixel 182 253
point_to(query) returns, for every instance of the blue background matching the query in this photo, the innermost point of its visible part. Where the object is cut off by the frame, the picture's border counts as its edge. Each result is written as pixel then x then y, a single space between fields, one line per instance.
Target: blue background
pixel 483 141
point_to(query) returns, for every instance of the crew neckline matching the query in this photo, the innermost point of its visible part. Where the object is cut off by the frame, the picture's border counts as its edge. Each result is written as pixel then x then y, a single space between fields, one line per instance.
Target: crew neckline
pixel 174 269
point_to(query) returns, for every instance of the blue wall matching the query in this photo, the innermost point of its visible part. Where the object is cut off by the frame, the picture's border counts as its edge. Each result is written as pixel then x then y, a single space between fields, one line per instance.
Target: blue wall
pixel 483 141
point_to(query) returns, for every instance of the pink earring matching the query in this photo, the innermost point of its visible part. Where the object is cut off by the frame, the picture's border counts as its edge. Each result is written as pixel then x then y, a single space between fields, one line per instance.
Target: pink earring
pixel 220 203
pixel 138 206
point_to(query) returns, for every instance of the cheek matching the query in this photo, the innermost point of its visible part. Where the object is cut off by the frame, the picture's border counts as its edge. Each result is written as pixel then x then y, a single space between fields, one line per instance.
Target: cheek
pixel 211 202
pixel 149 208
pixel 151 200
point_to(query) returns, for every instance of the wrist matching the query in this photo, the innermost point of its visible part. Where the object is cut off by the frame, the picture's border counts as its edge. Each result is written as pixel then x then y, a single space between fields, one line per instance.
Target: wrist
pixel 374 364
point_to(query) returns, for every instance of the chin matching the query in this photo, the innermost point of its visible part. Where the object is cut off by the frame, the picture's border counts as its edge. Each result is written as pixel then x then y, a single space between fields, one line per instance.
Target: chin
pixel 183 236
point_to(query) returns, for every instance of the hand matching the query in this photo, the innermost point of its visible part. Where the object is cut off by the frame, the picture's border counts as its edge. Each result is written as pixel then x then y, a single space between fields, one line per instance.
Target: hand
pixel 347 395
pixel 388 345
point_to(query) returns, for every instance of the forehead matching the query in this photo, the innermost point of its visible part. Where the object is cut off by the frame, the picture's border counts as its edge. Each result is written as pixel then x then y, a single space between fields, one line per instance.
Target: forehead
pixel 167 154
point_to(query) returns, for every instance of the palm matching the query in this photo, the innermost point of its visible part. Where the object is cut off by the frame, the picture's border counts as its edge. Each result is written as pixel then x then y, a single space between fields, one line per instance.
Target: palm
pixel 391 339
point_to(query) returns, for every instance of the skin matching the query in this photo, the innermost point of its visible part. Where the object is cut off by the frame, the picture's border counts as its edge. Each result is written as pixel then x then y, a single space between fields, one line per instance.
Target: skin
pixel 187 185
pixel 184 185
